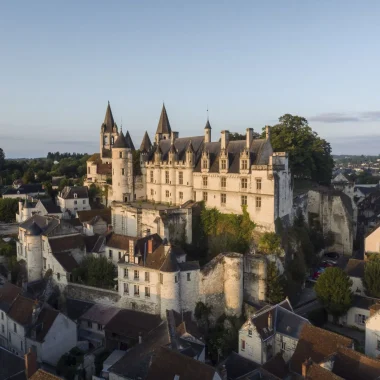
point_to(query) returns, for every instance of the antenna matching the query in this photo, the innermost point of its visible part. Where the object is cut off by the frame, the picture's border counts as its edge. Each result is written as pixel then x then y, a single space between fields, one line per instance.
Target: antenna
pixel 121 124
pixel 207 112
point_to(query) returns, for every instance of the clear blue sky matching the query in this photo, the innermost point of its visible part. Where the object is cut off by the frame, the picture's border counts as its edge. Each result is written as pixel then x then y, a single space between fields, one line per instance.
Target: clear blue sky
pixel 249 61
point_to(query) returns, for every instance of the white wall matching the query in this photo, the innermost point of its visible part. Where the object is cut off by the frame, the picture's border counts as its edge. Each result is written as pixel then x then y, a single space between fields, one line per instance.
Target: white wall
pixel 372 336
pixel 253 346
pixel 16 340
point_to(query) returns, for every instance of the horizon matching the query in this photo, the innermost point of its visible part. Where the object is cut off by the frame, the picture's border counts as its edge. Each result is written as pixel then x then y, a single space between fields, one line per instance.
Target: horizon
pixel 247 65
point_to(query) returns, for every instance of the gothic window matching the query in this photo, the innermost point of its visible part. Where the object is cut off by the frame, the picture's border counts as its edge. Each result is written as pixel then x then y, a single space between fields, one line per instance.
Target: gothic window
pixel 223 182
pixel 258 183
pixel 204 180
pixel 205 196
pixel 167 177
pixel 258 202
pixel 224 164
pixel 223 199
pixel 204 164
pixel 244 183
pixel 151 176
pixel 244 200
pixel 244 164
pixel 180 178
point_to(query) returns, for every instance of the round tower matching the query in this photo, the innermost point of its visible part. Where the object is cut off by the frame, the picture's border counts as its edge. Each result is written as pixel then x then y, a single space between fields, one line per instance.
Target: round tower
pixel 122 169
pixel 233 283
pixel 33 258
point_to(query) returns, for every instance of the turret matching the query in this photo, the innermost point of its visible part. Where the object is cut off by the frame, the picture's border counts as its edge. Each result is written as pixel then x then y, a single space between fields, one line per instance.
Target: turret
pixel 164 130
pixel 108 133
pixel 207 132
pixel 190 155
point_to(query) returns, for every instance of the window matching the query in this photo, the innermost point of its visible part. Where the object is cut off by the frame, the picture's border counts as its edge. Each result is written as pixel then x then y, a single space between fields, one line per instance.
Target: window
pixel 244 200
pixel 75 202
pixel 188 277
pixel 147 292
pixel 204 164
pixel 244 183
pixel 205 196
pixel 2 329
pixel 161 278
pixel 283 345
pixel 224 164
pixel 151 192
pixel 119 255
pixel 100 327
pixel 223 182
pixel 126 288
pixel 180 178
pixel 136 260
pixel 2 316
pixel 58 276
pixel 89 170
pixel 175 279
pixel 84 201
pixel 244 164
pixel 120 154
pixel 136 290
pixel 147 276
pixel 15 327
pixel 258 183
pixel 249 332
pixel 89 324
pixel 360 319
pixel 122 171
pixel 242 344
pixel 75 195
pixel 167 193
pixel 151 176
pixel 22 346
pixel 110 253
pixel 181 195
pixel 166 177
pixel 125 272
pixel 44 263
pixel 136 275
pixel 204 179
pixel 258 202
pixel 223 199
pixel 194 196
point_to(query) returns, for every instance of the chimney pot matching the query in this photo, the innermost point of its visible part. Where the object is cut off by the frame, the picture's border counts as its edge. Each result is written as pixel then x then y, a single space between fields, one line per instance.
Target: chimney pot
pixel 249 137
pixel 224 138
pixel 267 132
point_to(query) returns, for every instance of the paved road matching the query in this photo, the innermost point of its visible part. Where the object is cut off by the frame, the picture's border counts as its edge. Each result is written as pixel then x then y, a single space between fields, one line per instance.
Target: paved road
pixel 8 228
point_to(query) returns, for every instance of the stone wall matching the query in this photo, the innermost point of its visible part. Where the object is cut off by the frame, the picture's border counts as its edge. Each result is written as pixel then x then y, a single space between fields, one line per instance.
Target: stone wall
pixel 255 270
pixel 91 294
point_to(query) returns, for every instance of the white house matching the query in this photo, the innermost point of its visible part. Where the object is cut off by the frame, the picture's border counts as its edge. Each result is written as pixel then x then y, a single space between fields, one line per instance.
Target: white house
pixel 372 332
pixel 24 191
pixel 73 199
pixel 27 208
pixel 271 330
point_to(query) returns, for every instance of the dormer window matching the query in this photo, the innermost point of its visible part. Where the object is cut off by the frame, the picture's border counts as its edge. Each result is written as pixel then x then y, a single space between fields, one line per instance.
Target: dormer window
pixel 204 166
pixel 112 140
pixel 224 164
pixel 136 260
pixel 244 164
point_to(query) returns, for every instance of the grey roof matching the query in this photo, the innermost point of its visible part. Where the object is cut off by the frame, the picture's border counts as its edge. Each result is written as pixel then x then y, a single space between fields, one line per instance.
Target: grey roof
pixel 11 366
pixel 69 191
pixel 25 189
pixel 34 229
pixel 100 313
pixel 170 264
pixel 129 141
pixel 237 366
pixel 50 206
pixel 124 141
pixel 289 323
pixel 363 302
pixel 108 123
pixel 163 124
pixel 355 268
pixel 46 224
pixel 208 126
pixel 189 265
pixel 146 144
pixel 76 308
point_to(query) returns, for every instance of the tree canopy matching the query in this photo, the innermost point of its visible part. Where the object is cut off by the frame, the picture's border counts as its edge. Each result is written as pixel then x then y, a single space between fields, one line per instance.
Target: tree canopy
pixel 371 279
pixel 8 209
pixel 274 284
pixel 270 243
pixel 309 155
pixel 333 290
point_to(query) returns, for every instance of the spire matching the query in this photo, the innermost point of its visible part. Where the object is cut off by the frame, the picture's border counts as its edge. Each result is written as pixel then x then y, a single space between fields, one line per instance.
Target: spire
pixel 121 141
pixel 146 143
pixel 163 124
pixel 208 126
pixel 129 141
pixel 108 123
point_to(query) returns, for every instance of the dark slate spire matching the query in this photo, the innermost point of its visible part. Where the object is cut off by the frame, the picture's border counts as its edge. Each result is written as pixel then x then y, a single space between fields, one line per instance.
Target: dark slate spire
pixel 108 123
pixel 121 141
pixel 163 124
pixel 129 141
pixel 208 126
pixel 146 144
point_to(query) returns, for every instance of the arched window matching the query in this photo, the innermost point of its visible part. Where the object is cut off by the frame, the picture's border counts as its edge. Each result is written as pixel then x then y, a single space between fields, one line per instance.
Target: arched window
pixel 105 140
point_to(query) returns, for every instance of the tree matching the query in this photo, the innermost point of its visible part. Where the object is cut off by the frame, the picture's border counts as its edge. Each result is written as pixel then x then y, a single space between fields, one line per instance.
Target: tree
pixel 309 155
pixel 371 279
pixel 333 290
pixel 28 176
pixel 236 136
pixel 270 243
pixel 8 209
pixel 2 159
pixel 274 284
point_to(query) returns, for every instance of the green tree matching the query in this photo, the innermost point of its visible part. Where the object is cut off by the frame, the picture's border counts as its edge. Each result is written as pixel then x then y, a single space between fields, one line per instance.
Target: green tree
pixel 333 290
pixel 274 284
pixel 28 176
pixel 371 279
pixel 270 243
pixel 8 209
pixel 136 162
pixel 309 155
pixel 2 159
pixel 236 136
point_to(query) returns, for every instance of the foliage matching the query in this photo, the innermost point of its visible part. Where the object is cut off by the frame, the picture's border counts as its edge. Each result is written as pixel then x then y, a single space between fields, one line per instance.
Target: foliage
pixel 202 311
pixel 68 365
pixel 270 243
pixel 8 209
pixel 2 159
pixel 226 232
pixel 274 284
pixel 333 289
pixel 318 317
pixel 136 162
pixel 95 271
pixel 93 191
pixel 236 136
pixel 309 155
pixel 371 279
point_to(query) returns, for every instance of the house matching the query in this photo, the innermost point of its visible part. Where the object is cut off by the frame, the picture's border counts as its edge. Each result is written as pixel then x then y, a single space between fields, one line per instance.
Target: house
pixel 372 335
pixel 271 330
pixel 317 345
pixel 25 191
pixel 30 207
pixel 56 181
pixel 72 199
pixel 372 241
pixel 127 328
pixel 95 221
pixel 355 270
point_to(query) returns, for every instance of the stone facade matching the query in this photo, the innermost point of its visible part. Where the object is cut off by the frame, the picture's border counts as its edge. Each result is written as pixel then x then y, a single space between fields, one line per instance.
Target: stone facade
pixel 372 338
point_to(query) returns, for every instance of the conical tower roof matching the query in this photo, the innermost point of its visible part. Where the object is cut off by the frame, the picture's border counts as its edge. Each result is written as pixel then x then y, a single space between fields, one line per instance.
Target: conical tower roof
pixel 163 123
pixel 129 141
pixel 146 144
pixel 121 141
pixel 108 123
pixel 208 126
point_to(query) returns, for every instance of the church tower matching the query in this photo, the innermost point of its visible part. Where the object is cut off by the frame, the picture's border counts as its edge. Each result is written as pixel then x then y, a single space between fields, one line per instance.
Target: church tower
pixel 108 134
pixel 163 131
pixel 122 168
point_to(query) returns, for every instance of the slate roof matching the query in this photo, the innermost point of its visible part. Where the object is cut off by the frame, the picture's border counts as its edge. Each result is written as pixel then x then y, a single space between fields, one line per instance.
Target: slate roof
pixel 355 268
pixel 163 124
pixel 208 126
pixel 66 260
pixel 88 215
pixel 50 206
pixel 237 366
pixel 277 366
pixel 11 366
pixel 25 189
pixel 146 144
pixel 363 302
pixel 69 191
pixel 170 263
pixel 108 123
pixel 91 242
pixel 66 243
pixel 46 224
pixel 317 344
pixel 166 364
pixel 189 266
pixel 129 323
pixel 183 323
pixel 34 229
pixel 76 308
pixel 8 293
pixel 44 322
pixel 124 141
pixel 100 314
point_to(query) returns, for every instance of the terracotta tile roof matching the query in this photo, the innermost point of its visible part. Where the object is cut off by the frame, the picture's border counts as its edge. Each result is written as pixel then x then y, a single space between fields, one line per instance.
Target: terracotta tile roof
pixel 43 375
pixel 166 364
pixel 355 268
pixel 21 310
pixel 277 366
pixel 8 293
pixel 69 191
pixel 317 344
pixel 67 243
pixel 104 169
pixel 88 215
pixel 95 158
pixel 316 372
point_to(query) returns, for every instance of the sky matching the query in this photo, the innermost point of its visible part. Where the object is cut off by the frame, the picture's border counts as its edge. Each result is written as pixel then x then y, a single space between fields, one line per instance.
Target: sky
pixel 247 62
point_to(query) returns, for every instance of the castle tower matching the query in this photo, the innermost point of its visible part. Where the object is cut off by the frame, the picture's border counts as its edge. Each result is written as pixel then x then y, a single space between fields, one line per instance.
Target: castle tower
pixel 233 283
pixel 207 132
pixel 34 254
pixel 164 130
pixel 108 134
pixel 122 169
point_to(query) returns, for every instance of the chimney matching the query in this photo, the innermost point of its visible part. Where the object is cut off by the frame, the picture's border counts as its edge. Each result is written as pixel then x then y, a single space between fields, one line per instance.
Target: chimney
pixel 224 139
pixel 150 246
pixel 140 338
pixel 305 367
pixel 131 247
pixel 249 137
pixel 223 373
pixel 270 321
pixel 30 363
pixel 267 132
